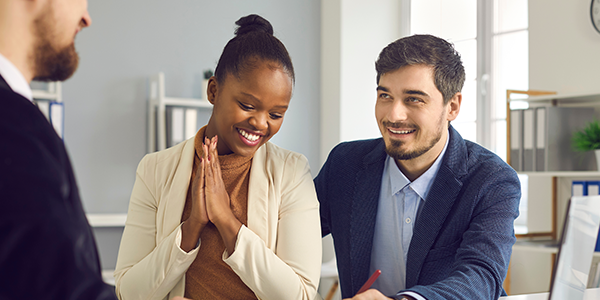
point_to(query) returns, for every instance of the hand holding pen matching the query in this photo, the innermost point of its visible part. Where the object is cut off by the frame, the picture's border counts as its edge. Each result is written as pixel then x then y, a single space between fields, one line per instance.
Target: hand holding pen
pixel 365 293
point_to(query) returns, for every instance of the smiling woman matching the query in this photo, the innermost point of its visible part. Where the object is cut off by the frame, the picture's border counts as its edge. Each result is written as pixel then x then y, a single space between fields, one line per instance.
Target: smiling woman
pixel 226 214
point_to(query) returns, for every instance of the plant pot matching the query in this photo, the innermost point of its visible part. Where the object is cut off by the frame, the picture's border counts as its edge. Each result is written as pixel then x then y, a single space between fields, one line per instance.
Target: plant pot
pixel 597 151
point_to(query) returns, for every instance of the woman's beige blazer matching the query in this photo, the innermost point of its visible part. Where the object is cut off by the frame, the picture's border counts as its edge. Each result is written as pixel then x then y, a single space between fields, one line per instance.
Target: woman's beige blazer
pixel 278 255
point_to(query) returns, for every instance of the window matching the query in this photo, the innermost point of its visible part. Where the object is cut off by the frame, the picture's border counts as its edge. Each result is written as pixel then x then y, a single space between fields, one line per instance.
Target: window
pixel 492 38
pixel 455 21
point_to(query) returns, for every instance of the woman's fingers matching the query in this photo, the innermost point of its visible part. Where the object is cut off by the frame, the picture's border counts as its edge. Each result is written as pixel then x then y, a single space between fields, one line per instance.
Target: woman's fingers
pixel 217 163
pixel 203 191
pixel 202 181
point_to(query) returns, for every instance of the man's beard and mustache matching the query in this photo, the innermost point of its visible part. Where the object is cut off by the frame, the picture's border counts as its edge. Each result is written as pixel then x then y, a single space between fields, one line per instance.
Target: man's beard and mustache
pixel 52 62
pixel 393 148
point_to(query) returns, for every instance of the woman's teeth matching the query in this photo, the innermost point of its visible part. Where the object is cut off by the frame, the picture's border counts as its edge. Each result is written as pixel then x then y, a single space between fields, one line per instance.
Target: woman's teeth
pixel 248 136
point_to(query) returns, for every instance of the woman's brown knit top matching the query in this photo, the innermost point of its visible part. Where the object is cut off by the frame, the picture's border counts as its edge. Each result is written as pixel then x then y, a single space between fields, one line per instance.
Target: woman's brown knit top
pixel 209 277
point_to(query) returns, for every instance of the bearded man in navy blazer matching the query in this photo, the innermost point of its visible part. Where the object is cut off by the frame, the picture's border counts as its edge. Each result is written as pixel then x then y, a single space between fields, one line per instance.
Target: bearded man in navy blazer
pixel 47 250
pixel 430 210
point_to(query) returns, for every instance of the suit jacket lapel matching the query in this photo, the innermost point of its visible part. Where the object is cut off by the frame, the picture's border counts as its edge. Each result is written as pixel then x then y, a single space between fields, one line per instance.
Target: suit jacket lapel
pixel 3 84
pixel 440 199
pixel 364 213
pixel 171 208
pixel 258 197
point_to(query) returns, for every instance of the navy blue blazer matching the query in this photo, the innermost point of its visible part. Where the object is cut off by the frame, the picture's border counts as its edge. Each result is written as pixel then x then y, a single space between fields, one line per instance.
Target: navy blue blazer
pixel 47 249
pixel 463 237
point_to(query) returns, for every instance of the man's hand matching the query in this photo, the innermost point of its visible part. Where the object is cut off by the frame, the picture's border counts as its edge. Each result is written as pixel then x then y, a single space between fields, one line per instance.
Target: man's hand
pixel 371 294
pixel 179 298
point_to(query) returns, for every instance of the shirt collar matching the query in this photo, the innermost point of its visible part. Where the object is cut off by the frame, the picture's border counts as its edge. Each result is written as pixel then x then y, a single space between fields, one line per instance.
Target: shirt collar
pixel 421 185
pixel 14 78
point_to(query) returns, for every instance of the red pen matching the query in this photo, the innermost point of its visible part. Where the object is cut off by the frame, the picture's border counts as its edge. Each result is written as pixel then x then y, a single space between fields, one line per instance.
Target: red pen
pixel 369 282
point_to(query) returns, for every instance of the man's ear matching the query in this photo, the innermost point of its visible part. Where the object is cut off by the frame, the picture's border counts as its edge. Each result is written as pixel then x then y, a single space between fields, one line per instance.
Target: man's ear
pixel 211 90
pixel 454 106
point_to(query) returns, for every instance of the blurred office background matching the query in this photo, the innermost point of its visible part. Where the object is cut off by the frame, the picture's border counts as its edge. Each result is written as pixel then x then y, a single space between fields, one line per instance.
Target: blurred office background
pixel 505 44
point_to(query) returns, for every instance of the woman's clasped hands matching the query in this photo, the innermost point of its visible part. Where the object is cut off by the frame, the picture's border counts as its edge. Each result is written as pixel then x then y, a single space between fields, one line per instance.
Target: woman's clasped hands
pixel 210 201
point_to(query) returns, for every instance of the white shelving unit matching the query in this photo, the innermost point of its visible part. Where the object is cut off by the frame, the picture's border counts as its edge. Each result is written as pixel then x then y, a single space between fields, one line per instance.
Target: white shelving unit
pixel 107 220
pixel 556 177
pixel 541 246
pixel 157 135
pixel 573 98
pixel 551 191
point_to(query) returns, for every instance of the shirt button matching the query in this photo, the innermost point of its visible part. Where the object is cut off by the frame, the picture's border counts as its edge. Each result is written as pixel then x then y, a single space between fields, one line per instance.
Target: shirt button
pixel 407 220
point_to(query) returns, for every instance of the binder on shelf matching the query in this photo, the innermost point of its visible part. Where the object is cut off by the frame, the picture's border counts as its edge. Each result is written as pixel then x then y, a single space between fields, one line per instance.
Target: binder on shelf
pixel 175 125
pixel 593 188
pixel 182 124
pixel 597 249
pixel 528 164
pixel 516 139
pixel 191 122
pixel 579 188
pixel 556 129
pixel 540 139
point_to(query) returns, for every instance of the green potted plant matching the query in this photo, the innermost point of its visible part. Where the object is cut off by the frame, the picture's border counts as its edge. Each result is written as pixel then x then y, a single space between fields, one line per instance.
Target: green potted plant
pixel 588 139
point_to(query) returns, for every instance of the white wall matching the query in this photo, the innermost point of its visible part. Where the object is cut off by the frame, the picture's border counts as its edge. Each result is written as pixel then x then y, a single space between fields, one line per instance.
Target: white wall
pixel 564 48
pixel 353 34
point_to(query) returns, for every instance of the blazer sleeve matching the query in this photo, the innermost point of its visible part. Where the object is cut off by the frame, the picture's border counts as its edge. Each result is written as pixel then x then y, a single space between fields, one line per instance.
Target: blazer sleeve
pixel 292 271
pixel 145 269
pixel 320 183
pixel 482 258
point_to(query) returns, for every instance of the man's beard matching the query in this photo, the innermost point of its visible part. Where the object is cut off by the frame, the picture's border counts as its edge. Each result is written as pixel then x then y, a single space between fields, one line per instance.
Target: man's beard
pixel 52 62
pixel 393 148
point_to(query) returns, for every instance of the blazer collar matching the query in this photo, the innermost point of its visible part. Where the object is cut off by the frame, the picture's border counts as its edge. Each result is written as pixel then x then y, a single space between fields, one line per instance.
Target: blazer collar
pixel 440 199
pixel 364 213
pixel 3 84
pixel 176 190
pixel 258 196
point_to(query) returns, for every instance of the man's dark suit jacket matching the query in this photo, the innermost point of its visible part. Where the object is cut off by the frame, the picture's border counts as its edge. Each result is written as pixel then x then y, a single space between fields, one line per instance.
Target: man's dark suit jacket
pixel 47 250
pixel 463 237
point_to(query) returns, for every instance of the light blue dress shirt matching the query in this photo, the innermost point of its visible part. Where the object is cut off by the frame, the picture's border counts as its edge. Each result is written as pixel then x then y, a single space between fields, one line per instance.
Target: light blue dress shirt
pixel 400 202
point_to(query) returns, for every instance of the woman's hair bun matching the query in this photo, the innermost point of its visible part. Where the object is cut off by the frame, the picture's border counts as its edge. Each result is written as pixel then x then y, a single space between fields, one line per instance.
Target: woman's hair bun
pixel 251 23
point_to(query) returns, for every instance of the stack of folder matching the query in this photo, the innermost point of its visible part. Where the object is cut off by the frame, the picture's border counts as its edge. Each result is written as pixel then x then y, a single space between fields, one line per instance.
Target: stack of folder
pixel 540 139
pixel 182 124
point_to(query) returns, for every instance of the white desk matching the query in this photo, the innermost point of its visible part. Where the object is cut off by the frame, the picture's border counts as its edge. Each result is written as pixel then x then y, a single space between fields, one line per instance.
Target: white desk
pixel 590 294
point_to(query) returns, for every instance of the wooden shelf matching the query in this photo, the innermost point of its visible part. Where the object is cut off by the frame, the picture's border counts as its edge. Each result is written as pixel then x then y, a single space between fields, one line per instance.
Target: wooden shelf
pixel 572 98
pixel 542 246
pixel 577 174
pixel 107 220
pixel 187 102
